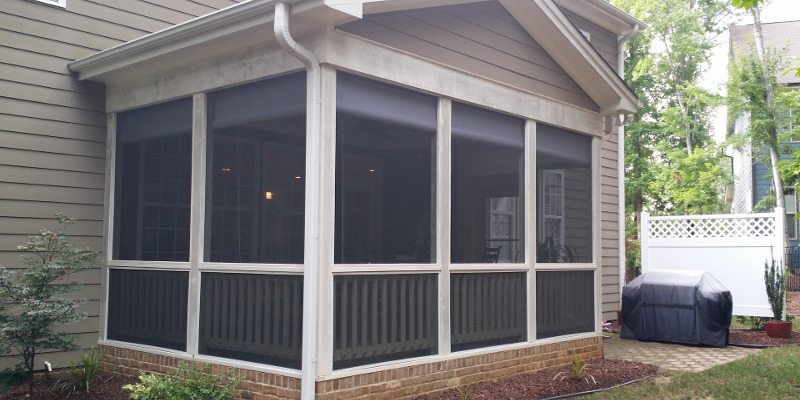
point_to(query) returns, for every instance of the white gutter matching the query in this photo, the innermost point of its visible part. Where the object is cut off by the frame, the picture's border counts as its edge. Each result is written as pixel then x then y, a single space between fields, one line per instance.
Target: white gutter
pixel 312 229
pixel 623 264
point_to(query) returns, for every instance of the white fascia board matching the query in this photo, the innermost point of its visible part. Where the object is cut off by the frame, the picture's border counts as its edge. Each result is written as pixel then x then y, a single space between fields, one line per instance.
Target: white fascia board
pixel 605 14
pixel 350 7
pixel 235 18
pixel 574 54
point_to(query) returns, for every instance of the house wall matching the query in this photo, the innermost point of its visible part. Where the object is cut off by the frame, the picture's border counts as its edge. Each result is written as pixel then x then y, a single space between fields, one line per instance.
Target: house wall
pixel 52 127
pixel 480 38
pixel 605 42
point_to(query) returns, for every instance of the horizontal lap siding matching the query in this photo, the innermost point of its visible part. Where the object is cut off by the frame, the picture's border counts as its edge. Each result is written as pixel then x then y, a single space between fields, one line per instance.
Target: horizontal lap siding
pixel 52 127
pixel 609 225
pixel 480 38
pixel 605 42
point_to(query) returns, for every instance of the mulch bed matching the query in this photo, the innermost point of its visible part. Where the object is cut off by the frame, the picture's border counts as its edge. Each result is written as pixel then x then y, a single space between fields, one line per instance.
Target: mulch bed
pixel 541 385
pixel 105 386
pixel 752 337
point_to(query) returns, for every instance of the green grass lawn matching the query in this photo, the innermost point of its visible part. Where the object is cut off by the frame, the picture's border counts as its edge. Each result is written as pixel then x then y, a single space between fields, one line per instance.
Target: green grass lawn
pixel 771 374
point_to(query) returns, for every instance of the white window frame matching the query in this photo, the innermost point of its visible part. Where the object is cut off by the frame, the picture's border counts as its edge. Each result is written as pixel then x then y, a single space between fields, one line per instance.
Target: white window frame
pixel 542 207
pixel 791 202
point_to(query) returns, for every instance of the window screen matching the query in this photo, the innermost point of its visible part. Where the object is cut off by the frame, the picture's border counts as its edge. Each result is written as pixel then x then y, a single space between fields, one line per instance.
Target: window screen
pixel 256 172
pixel 487 187
pixel 153 182
pixel 564 196
pixel 385 141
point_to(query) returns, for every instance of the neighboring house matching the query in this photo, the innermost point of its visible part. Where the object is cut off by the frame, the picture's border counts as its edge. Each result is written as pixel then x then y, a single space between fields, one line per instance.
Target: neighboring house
pixel 417 195
pixel 752 177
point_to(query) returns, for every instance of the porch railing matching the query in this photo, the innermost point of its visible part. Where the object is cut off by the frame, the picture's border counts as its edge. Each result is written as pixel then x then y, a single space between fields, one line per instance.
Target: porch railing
pixel 487 309
pixel 384 317
pixel 148 307
pixel 251 317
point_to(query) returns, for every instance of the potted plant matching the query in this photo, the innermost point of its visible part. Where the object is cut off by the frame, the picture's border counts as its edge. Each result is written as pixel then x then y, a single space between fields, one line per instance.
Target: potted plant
pixel 776 293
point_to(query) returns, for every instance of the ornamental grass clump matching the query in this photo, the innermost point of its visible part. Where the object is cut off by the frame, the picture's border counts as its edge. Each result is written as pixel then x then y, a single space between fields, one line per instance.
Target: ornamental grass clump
pixel 35 301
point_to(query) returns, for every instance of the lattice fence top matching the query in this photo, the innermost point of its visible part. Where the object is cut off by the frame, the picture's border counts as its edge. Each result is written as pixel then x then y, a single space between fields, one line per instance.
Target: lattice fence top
pixel 745 227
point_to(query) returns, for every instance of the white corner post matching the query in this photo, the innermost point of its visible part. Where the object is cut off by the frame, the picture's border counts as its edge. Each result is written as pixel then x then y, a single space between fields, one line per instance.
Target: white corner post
pixel 597 242
pixel 313 190
pixel 327 201
pixel 443 192
pixel 108 214
pixel 197 220
pixel 531 235
pixel 644 239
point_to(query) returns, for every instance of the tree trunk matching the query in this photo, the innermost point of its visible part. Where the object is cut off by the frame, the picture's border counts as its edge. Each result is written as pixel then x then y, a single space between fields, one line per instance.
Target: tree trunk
pixel 772 134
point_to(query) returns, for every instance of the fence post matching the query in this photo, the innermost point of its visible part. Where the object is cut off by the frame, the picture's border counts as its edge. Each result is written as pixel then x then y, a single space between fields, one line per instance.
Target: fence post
pixel 644 239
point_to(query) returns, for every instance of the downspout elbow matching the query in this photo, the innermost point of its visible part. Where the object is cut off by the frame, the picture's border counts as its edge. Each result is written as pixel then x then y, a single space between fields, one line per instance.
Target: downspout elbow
pixel 287 42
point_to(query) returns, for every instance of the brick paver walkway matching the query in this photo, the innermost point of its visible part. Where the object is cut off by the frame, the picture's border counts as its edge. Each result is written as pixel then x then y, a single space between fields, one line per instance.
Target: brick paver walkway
pixel 672 356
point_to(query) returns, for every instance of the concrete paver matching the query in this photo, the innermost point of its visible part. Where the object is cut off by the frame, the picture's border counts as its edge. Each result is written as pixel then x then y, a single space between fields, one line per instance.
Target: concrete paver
pixel 670 356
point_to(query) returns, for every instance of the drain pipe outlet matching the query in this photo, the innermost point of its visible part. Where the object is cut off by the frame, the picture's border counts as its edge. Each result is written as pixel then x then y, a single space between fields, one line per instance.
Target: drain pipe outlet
pixel 313 151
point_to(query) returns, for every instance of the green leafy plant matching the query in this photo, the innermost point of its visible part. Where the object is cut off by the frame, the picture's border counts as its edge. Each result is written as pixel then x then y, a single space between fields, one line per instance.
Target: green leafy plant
pixel 190 381
pixel 577 372
pixel 755 323
pixel 776 288
pixel 82 374
pixel 34 301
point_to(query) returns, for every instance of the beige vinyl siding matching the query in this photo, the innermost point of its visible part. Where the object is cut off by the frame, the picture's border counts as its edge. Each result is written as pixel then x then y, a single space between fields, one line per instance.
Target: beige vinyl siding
pixel 605 42
pixel 478 38
pixel 52 127
pixel 609 225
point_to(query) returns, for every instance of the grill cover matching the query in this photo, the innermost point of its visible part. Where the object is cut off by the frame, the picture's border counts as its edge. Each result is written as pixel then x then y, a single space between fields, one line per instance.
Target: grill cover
pixel 689 307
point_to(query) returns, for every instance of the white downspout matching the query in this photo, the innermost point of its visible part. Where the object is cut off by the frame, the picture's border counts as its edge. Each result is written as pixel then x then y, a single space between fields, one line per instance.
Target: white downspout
pixel 311 246
pixel 623 264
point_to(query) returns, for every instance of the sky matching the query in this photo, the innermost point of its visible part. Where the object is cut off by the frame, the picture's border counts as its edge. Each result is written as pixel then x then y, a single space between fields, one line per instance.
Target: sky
pixel 715 77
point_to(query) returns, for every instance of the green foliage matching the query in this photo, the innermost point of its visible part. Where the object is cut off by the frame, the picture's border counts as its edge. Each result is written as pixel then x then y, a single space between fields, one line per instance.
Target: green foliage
pixel 746 4
pixel 671 163
pixel 82 374
pixel 190 381
pixel 689 184
pixel 10 378
pixel 756 323
pixel 577 371
pixel 776 288
pixel 34 302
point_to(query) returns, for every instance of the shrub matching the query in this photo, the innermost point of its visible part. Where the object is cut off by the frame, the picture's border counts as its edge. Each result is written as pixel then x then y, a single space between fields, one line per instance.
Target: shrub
pixel 190 381
pixel 34 305
pixel 776 288
pixel 755 323
pixel 82 374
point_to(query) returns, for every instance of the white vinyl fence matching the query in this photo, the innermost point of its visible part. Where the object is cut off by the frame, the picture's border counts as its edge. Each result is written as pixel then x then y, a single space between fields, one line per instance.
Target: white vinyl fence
pixel 733 248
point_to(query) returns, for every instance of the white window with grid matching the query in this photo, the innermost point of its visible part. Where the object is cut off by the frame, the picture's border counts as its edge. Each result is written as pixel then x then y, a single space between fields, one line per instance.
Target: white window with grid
pixel 790 202
pixel 552 203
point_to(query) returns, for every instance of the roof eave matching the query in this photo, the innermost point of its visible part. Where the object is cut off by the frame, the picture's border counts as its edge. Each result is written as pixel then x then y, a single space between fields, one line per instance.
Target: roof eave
pixel 604 14
pixel 575 55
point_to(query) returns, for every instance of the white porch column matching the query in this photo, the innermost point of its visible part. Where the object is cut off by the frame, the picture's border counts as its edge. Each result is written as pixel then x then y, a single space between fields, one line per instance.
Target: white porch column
pixel 530 224
pixel 443 193
pixel 197 221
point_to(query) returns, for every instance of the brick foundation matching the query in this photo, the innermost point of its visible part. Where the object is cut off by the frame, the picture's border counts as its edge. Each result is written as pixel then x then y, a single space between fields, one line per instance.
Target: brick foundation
pixel 255 385
pixel 399 383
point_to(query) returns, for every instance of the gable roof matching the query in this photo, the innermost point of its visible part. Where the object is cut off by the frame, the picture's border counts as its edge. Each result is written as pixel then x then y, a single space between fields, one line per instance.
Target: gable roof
pixel 542 19
pixel 777 35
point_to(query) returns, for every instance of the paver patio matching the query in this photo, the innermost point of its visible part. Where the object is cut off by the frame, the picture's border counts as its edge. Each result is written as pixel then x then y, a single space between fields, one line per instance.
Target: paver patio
pixel 674 357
